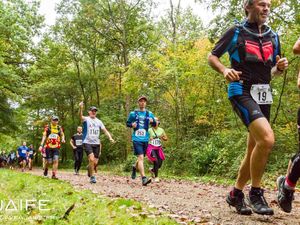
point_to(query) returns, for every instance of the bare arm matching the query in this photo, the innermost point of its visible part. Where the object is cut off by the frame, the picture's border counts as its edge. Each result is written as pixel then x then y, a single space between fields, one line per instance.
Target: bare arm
pixel 81 111
pixel 229 74
pixel 108 135
pixel 296 48
pixel 72 144
pixel 42 142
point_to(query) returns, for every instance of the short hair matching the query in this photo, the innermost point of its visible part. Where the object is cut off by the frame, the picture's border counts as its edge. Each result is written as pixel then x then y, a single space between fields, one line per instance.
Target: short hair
pixel 79 127
pixel 247 3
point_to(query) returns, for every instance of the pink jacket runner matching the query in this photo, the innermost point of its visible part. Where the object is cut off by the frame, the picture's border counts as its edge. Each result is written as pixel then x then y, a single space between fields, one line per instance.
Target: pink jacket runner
pixel 160 152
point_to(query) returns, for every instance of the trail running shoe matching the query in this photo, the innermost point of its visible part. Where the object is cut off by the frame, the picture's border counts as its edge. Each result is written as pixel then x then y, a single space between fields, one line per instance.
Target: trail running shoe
pixel 93 180
pixel 152 172
pixel 145 181
pixel 258 203
pixel 239 203
pixel 156 180
pixel 46 172
pixel 284 196
pixel 54 177
pixel 133 174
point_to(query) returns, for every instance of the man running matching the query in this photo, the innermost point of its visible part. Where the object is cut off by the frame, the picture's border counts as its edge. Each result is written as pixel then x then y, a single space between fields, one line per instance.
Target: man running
pixel 140 120
pixel 286 184
pixel 91 141
pixel 22 156
pixel 76 143
pixel 254 51
pixel 31 153
pixel 53 135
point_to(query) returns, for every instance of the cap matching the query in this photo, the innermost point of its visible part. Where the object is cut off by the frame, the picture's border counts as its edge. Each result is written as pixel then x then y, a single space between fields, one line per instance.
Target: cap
pixel 142 97
pixel 54 118
pixel 93 108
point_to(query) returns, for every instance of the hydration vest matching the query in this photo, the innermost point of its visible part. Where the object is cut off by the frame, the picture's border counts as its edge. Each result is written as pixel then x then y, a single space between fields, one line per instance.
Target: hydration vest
pixel 247 46
pixel 146 121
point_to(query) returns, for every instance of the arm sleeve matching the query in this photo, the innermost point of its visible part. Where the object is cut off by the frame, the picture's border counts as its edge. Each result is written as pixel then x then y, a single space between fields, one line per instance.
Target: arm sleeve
pixel 130 120
pixel 224 43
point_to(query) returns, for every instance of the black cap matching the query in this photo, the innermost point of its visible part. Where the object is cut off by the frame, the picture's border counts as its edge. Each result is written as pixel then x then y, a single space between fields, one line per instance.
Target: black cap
pixel 93 108
pixel 143 97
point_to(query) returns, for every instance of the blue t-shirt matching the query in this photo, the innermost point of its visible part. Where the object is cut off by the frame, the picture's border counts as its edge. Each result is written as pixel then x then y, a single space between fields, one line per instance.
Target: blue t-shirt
pixel 22 150
pixel 140 133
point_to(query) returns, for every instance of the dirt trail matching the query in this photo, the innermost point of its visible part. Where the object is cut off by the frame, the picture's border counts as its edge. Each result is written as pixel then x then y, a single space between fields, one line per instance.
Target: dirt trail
pixel 183 200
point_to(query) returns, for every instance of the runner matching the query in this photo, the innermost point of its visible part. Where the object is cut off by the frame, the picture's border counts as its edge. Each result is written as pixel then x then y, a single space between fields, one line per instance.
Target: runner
pixel 31 153
pixel 91 140
pixel 286 184
pixel 139 120
pixel 22 156
pixel 155 151
pixel 53 135
pixel 254 51
pixel 12 159
pixel 76 143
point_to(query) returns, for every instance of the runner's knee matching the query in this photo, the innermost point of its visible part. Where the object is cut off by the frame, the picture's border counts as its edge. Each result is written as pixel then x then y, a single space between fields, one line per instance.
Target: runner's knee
pixel 267 141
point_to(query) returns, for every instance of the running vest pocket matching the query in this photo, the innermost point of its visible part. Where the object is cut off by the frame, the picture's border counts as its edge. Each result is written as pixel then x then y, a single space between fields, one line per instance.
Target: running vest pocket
pixel 256 53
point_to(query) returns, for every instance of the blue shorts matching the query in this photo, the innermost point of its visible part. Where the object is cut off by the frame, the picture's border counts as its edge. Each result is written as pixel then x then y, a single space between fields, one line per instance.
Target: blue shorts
pixel 140 148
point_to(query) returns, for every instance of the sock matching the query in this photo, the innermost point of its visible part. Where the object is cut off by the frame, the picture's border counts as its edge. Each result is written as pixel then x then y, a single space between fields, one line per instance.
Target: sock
pixel 235 191
pixel 289 185
pixel 254 190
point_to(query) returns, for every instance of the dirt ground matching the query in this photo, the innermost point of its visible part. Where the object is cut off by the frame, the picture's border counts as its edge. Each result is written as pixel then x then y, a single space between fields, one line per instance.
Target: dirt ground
pixel 186 201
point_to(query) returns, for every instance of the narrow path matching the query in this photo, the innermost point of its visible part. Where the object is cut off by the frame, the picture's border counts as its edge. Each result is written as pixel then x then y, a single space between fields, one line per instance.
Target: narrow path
pixel 183 200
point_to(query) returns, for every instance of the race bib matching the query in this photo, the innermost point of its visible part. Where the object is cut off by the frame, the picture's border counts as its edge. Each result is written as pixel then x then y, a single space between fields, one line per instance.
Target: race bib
pixel 262 94
pixel 24 151
pixel 30 152
pixel 78 142
pixel 94 132
pixel 140 133
pixel 155 142
pixel 53 136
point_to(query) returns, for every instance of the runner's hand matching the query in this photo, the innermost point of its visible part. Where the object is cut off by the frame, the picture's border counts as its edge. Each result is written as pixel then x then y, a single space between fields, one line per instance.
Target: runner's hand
pixel 150 120
pixel 63 141
pixel 40 148
pixel 231 75
pixel 74 147
pixel 81 104
pixel 281 63
pixel 112 141
pixel 134 125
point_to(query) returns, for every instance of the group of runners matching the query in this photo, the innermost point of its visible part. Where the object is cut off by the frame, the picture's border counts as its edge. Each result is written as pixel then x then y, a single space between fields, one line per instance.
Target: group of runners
pixel 147 139
pixel 255 55
pixel 23 157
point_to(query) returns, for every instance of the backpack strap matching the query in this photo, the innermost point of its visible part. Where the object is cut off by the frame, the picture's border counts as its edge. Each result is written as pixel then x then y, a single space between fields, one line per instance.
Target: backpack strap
pixel 234 45
pixel 275 41
pixel 137 120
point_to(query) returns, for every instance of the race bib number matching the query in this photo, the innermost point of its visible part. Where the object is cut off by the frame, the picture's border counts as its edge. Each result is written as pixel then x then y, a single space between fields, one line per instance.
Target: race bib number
pixel 78 142
pixel 94 132
pixel 53 136
pixel 24 151
pixel 30 152
pixel 155 142
pixel 140 133
pixel 262 94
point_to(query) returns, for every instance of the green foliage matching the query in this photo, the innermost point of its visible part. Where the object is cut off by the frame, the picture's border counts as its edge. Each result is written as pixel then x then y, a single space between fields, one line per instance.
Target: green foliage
pixel 107 53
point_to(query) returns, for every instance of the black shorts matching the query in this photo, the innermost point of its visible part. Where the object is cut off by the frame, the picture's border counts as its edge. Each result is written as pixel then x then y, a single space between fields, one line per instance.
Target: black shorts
pixel 92 148
pixel 248 109
pixel 52 154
